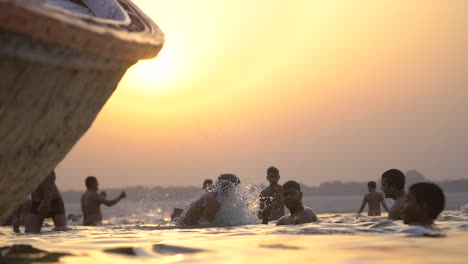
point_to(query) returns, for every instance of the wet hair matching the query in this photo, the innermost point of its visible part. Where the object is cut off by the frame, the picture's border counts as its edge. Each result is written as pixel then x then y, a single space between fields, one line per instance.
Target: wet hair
pixel 431 194
pixel 394 177
pixel 226 181
pixel 292 185
pixel 372 184
pixel 89 181
pixel 272 170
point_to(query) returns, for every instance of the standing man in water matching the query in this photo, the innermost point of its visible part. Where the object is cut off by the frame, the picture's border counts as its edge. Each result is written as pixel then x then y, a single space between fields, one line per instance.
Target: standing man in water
pixel 91 202
pixel 393 186
pixel 299 214
pixel 271 205
pixel 46 203
pixel 374 199
pixel 209 203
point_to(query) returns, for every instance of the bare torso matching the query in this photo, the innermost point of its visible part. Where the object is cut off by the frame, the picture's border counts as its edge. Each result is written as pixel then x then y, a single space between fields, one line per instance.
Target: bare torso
pixel 204 207
pixel 272 197
pixel 374 199
pixel 91 207
pixel 305 216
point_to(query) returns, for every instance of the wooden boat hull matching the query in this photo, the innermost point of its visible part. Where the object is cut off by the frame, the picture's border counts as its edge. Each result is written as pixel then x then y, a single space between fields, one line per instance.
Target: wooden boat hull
pixel 52 90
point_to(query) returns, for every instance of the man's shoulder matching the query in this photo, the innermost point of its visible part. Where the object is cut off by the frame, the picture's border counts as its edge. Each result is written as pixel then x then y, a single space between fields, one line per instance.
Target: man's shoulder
pixel 90 195
pixel 310 212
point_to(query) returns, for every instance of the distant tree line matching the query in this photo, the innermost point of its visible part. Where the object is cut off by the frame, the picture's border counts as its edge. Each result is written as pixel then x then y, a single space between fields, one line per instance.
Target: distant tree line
pixel 157 193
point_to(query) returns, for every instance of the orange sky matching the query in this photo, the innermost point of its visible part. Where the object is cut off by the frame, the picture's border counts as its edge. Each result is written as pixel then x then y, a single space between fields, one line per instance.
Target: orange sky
pixel 323 90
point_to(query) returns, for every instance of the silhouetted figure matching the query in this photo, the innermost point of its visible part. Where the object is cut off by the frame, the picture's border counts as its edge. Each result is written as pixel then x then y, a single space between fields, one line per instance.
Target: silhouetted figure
pixel 374 199
pixel 207 206
pixel 208 185
pixel 423 204
pixel 393 185
pixel 91 202
pixel 299 214
pixel 46 203
pixel 271 206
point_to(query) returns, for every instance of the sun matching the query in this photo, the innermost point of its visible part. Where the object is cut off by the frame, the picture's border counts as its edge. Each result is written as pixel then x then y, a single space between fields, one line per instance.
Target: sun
pixel 152 76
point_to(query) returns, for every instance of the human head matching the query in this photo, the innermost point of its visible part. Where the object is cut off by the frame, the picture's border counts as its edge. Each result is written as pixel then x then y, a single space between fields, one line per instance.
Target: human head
pixel 423 204
pixel 226 182
pixel 371 186
pixel 273 175
pixel 207 184
pixel 393 182
pixel 91 183
pixel 292 194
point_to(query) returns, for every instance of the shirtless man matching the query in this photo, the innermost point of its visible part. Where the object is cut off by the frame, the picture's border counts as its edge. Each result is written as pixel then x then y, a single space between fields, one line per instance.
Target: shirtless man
pixel 374 199
pixel 46 202
pixel 271 205
pixel 393 185
pixel 91 202
pixel 299 214
pixel 207 206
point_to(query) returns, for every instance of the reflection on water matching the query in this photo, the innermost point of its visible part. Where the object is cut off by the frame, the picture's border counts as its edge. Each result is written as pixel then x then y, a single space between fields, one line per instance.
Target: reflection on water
pixel 336 238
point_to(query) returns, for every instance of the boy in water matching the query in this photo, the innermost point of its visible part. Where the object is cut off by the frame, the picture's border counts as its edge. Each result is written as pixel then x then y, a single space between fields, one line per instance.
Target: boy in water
pixel 423 204
pixel 207 206
pixel 271 205
pixel 208 185
pixel 374 199
pixel 393 185
pixel 91 202
pixel 46 203
pixel 299 214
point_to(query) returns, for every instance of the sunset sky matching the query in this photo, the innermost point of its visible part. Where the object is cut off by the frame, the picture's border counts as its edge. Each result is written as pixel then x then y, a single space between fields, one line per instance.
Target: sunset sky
pixel 324 90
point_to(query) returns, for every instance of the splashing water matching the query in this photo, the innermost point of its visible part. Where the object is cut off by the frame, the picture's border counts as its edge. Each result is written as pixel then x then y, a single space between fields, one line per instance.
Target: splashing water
pixel 240 207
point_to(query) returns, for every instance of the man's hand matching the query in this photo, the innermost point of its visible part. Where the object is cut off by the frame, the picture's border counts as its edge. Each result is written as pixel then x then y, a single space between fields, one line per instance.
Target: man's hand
pixel 266 215
pixel 122 195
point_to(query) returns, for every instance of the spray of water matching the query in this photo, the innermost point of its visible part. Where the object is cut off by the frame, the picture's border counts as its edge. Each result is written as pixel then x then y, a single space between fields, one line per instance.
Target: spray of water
pixel 239 207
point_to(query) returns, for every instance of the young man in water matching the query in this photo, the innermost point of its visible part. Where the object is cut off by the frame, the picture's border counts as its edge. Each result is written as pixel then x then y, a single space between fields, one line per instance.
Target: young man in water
pixel 374 199
pixel 271 205
pixel 46 203
pixel 299 214
pixel 423 204
pixel 393 185
pixel 91 202
pixel 207 206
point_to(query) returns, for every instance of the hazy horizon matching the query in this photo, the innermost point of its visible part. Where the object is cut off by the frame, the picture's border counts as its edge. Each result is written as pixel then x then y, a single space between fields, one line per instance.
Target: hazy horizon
pixel 323 90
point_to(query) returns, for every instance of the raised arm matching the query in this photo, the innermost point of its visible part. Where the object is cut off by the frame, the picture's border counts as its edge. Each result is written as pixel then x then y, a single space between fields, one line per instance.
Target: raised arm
pixel 363 205
pixel 103 200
